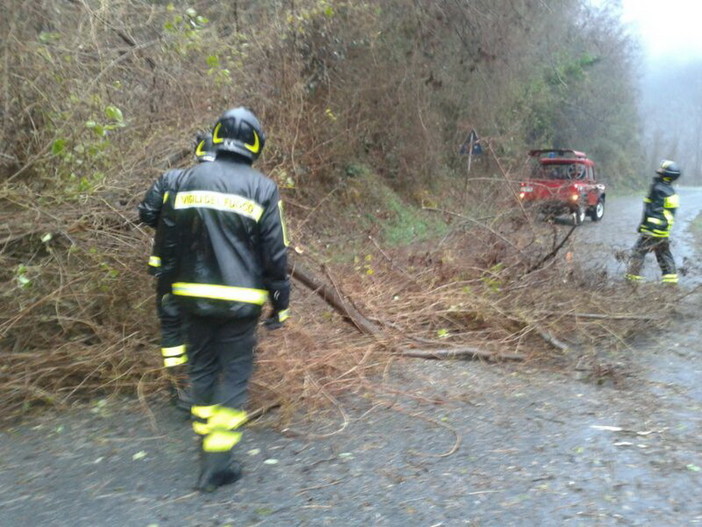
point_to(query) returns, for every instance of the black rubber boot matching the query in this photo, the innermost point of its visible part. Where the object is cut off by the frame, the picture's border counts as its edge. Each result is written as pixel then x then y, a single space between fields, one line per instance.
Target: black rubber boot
pixel 182 399
pixel 217 469
pixel 180 390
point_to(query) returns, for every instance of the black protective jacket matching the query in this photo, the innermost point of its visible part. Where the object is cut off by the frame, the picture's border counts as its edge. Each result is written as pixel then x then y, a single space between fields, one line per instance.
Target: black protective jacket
pixel 223 245
pixel 659 209
pixel 150 211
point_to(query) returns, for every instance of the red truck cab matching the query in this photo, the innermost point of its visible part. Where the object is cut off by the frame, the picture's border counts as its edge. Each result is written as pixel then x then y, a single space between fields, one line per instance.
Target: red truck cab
pixel 563 181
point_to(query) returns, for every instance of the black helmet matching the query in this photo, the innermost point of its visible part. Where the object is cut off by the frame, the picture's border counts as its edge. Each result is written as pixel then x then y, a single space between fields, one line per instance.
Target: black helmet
pixel 238 131
pixel 204 148
pixel 669 170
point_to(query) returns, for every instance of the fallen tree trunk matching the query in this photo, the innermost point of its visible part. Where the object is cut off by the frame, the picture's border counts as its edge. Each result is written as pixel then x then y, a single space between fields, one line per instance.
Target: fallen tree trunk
pixel 351 314
pixel 335 300
pixel 601 316
pixel 459 353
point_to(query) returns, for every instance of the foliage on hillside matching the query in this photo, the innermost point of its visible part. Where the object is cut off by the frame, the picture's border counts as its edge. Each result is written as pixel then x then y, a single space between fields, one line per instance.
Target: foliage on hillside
pixel 364 105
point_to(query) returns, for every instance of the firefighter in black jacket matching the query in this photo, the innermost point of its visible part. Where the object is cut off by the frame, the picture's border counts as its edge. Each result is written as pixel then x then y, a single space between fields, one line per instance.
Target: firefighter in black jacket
pixel 172 337
pixel 659 211
pixel 224 252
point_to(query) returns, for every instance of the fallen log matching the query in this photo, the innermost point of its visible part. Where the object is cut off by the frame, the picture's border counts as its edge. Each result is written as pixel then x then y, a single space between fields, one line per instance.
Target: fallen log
pixel 334 299
pixel 352 315
pixel 548 337
pixel 600 316
pixel 460 353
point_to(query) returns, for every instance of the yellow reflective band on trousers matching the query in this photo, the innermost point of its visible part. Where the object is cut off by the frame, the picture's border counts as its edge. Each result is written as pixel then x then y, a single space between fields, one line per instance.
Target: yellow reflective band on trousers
pixel 200 428
pixel 223 424
pixel 654 221
pixel 283 315
pixel 221 441
pixel 201 416
pixel 221 292
pixel 208 199
pixel 203 412
pixel 670 279
pixel 218 424
pixel 154 261
pixel 227 418
pixel 175 361
pixel 174 356
pixel 634 277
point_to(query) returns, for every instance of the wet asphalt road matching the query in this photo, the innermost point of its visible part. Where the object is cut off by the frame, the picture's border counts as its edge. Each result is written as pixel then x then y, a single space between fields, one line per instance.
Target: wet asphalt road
pixel 597 243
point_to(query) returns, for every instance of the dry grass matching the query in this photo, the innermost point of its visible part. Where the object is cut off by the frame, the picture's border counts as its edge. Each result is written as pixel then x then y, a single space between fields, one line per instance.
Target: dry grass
pixel 79 318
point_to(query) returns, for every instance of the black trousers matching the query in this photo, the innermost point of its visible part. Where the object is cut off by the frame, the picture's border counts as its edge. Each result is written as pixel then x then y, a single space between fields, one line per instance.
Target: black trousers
pixel 659 246
pixel 169 316
pixel 220 354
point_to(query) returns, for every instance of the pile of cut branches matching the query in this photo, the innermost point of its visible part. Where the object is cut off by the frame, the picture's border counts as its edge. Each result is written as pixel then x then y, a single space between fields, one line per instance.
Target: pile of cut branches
pixel 80 320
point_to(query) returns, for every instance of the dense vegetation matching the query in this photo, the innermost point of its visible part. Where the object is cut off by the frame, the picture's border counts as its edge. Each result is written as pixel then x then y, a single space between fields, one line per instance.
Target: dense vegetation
pixel 365 105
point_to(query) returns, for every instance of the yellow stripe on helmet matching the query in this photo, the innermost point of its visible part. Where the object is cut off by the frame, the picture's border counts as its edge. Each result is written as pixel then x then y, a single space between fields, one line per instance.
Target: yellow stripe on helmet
pixel 215 134
pixel 256 146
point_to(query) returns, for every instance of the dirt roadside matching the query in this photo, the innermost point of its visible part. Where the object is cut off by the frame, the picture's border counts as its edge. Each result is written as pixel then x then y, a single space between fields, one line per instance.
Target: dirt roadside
pixel 476 444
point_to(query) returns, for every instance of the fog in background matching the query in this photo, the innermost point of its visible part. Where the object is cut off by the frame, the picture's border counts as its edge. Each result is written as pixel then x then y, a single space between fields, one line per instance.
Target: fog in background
pixel 671 80
pixel 672 114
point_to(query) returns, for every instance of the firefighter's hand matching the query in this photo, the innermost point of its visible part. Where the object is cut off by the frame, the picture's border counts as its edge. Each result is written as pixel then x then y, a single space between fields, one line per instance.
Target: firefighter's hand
pixel 276 320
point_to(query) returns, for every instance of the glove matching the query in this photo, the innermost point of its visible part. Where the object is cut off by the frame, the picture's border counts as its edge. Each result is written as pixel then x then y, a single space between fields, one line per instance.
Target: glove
pixel 280 298
pixel 280 295
pixel 275 321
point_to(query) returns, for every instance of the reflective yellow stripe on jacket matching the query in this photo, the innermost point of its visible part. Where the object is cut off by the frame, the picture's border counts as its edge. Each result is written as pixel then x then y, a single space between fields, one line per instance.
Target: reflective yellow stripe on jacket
pixel 221 292
pixel 656 233
pixel 208 199
pixel 669 217
pixel 672 202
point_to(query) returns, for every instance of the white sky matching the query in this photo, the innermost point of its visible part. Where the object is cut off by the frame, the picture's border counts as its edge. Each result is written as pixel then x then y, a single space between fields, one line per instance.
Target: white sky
pixel 667 27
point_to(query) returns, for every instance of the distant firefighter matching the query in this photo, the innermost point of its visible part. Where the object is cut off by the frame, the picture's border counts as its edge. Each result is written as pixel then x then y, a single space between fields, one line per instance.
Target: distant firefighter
pixel 658 217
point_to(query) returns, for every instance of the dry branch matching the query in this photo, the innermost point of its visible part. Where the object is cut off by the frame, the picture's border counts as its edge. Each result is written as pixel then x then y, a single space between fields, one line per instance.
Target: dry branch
pixel 17 237
pixel 548 337
pixel 603 316
pixel 474 222
pixel 460 353
pixel 366 326
pixel 334 299
pixel 553 253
